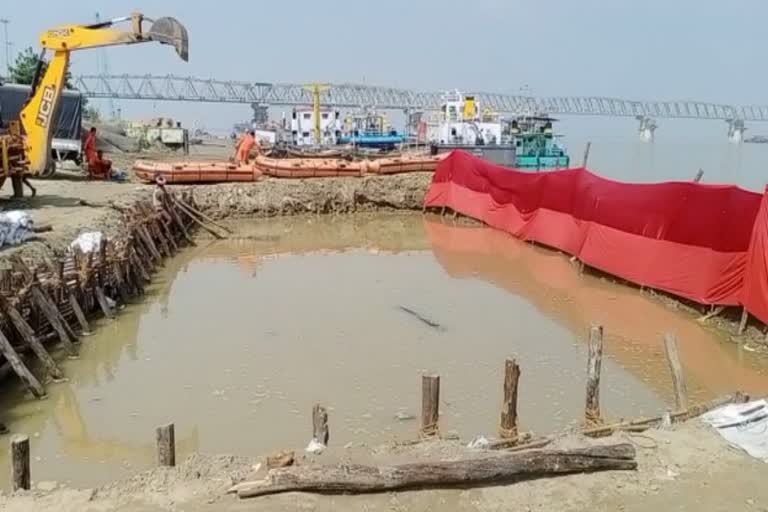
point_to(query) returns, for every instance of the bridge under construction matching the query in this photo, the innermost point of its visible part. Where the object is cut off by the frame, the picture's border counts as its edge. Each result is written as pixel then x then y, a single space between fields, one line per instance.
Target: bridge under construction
pixel 179 88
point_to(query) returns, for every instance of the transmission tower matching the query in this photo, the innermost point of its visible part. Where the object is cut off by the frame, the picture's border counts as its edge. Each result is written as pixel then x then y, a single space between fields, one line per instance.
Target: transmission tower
pixel 104 70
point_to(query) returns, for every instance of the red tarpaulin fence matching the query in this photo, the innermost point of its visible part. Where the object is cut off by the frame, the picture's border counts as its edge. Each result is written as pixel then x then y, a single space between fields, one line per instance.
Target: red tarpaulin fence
pixel 690 239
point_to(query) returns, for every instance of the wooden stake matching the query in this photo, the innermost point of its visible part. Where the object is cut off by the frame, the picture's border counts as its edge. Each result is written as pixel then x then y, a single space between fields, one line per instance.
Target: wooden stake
pixel 53 316
pixel 20 473
pixel 744 319
pixel 678 378
pixel 144 233
pixel 586 154
pixel 699 175
pixel 28 333
pixel 200 223
pixel 166 445
pixel 85 327
pixel 430 403
pixel 101 298
pixel 508 424
pixel 594 363
pixel 197 212
pixel 320 431
pixel 20 368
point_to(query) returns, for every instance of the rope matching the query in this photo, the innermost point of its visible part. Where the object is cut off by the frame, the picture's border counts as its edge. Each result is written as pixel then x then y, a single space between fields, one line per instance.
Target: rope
pixel 653 446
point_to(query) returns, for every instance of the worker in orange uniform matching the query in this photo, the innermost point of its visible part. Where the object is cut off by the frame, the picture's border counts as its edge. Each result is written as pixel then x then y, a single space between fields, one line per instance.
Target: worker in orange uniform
pixel 245 146
pixel 98 166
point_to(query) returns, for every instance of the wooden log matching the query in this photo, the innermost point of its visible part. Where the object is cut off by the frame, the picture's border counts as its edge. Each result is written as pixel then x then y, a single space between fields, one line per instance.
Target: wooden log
pixel 28 334
pixel 101 298
pixel 85 327
pixel 743 322
pixel 585 159
pixel 177 221
pixel 169 235
pixel 430 403
pixel 53 316
pixel 20 471
pixel 504 468
pixel 166 445
pixel 676 367
pixel 508 423
pixel 144 234
pixel 138 262
pixel 20 368
pixel 157 230
pixel 320 431
pixel 594 364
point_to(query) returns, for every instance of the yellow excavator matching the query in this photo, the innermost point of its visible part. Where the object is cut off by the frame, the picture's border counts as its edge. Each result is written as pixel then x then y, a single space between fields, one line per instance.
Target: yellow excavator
pixel 26 149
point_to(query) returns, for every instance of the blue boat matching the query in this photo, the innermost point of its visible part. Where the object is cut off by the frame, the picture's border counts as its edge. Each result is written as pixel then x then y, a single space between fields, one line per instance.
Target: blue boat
pixel 368 129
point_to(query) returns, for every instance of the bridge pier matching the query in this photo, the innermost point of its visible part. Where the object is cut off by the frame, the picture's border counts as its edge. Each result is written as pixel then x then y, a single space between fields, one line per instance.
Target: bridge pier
pixel 736 130
pixel 647 128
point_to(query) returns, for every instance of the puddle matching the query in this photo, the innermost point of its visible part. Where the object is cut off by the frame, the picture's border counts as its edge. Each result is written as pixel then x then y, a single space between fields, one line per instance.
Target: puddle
pixel 238 339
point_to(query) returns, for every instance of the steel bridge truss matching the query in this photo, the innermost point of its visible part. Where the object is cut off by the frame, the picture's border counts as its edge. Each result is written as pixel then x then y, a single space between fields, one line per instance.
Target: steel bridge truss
pixel 177 88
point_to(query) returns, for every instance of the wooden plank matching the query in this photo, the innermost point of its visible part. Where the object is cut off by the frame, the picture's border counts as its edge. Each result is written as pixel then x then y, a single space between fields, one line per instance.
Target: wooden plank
pixel 430 403
pixel 499 469
pixel 101 298
pixel 85 327
pixel 508 423
pixel 20 368
pixel 676 367
pixel 594 364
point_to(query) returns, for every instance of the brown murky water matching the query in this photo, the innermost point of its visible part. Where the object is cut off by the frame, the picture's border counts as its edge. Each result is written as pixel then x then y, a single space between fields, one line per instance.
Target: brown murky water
pixel 238 339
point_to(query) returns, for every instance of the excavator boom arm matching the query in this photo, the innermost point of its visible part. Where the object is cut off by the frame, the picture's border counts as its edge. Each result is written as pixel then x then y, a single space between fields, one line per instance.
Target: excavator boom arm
pixel 39 113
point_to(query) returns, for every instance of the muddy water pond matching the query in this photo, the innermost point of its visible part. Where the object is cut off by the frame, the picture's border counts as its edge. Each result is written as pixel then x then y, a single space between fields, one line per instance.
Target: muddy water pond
pixel 237 340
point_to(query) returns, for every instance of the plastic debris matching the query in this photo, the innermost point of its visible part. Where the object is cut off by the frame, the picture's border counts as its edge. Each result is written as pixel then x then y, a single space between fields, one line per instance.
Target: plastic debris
pixel 315 446
pixel 743 425
pixel 479 443
pixel 15 227
pixel 88 242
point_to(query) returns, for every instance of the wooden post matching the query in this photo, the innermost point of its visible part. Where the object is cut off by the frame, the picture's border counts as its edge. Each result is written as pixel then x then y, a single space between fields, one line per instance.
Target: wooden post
pixel 586 154
pixel 28 333
pixel 508 425
pixel 102 300
pixel 85 327
pixel 166 445
pixel 20 474
pixel 430 403
pixel 320 424
pixel 744 319
pixel 594 363
pixel 699 175
pixel 20 368
pixel 678 378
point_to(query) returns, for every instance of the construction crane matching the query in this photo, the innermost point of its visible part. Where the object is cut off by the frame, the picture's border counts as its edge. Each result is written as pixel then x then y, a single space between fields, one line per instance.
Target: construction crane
pixel 38 114
pixel 317 88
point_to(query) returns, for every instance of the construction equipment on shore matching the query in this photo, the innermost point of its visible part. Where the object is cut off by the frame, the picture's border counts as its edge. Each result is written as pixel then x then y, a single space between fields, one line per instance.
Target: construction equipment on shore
pixel 37 115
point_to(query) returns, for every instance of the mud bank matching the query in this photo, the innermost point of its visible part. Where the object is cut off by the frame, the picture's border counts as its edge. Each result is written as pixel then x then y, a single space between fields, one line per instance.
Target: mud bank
pixel 688 468
pixel 272 197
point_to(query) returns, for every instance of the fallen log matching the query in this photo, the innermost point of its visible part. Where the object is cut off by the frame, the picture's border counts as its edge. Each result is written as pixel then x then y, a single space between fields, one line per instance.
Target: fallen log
pixel 500 469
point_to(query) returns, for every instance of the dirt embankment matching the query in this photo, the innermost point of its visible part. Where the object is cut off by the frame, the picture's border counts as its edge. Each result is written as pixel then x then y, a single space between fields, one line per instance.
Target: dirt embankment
pixel 688 468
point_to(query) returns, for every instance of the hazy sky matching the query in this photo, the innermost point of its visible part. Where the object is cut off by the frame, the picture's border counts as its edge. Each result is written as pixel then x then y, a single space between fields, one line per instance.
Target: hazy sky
pixel 651 49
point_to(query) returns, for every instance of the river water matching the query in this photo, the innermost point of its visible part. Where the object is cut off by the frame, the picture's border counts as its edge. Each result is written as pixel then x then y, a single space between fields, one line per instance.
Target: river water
pixel 238 339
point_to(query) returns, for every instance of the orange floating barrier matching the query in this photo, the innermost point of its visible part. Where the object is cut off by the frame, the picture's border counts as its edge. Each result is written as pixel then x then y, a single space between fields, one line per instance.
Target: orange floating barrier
pixel 195 172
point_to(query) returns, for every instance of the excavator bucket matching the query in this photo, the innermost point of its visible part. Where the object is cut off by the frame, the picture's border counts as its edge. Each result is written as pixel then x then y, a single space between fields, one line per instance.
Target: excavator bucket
pixel 171 31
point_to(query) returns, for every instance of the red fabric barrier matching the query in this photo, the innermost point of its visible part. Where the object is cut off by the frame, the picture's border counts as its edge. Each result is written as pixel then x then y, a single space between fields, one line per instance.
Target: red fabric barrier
pixel 685 238
pixel 755 294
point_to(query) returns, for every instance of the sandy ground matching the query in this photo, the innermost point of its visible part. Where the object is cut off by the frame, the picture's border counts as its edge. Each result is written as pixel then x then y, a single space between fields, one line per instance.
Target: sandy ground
pixel 688 468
